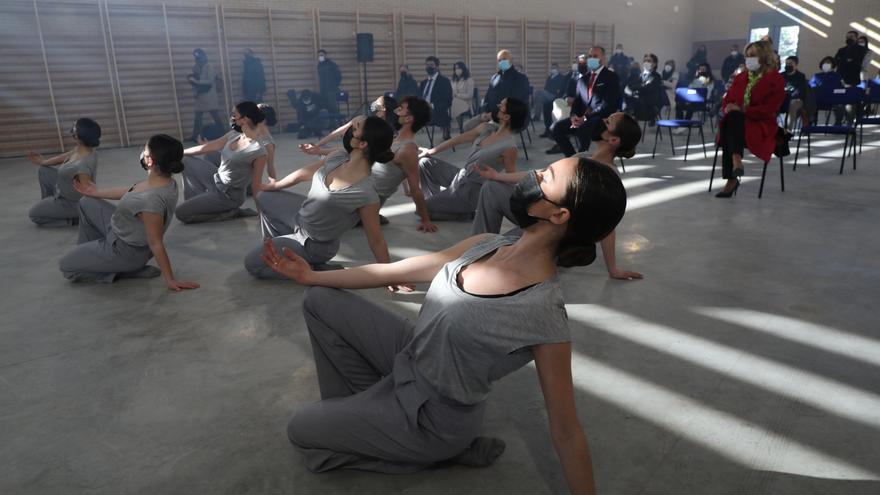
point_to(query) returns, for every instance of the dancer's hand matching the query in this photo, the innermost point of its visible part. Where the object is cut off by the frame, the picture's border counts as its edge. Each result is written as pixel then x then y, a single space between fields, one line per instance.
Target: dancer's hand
pixel 487 172
pixel 290 265
pixel 35 158
pixel 423 152
pixel 401 288
pixel 625 275
pixel 310 149
pixel 179 285
pixel 427 227
pixel 576 121
pixel 89 189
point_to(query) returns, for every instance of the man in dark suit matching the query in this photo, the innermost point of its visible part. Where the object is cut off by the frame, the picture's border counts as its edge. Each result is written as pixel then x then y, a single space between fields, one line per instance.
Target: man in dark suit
pixel 731 63
pixel 596 97
pixel 437 90
pixel 506 83
pixel 849 59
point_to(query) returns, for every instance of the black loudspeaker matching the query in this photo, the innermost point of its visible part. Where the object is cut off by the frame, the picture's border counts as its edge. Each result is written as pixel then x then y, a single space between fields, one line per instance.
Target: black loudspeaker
pixel 365 47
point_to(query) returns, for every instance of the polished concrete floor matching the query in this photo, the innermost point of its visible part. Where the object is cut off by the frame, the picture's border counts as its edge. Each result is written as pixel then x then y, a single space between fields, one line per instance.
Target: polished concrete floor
pixel 746 362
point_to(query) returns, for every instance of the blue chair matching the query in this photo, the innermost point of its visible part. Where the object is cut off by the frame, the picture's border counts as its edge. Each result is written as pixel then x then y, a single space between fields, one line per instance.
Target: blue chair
pixel 835 97
pixel 872 104
pixel 696 97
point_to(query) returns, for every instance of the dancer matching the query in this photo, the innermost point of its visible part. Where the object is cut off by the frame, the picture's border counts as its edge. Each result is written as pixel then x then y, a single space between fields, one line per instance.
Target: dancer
pixel 614 136
pixel 342 192
pixel 264 136
pixel 401 395
pixel 57 175
pixel 452 192
pixel 214 194
pixel 117 241
pixel 383 107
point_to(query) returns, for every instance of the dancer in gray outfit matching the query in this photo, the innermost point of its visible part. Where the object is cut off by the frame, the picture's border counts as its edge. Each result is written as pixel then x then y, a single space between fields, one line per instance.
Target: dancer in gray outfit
pixel 452 192
pixel 398 396
pixel 57 175
pixel 342 193
pixel 117 241
pixel 214 194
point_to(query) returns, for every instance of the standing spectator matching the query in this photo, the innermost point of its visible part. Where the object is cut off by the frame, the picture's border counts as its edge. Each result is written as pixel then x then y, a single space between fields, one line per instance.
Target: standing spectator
pixel 462 93
pixel 849 59
pixel 554 87
pixel 329 78
pixel 312 117
pixel 694 63
pixel 866 61
pixel 670 82
pixel 437 90
pixel 202 80
pixel 253 79
pixel 795 90
pixel 597 97
pixel 645 91
pixel 407 85
pixel 506 83
pixel 731 63
pixel 620 63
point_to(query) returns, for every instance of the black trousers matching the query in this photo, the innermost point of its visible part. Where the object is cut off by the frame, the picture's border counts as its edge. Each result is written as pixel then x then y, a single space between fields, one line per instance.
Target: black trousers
pixel 733 141
pixel 561 130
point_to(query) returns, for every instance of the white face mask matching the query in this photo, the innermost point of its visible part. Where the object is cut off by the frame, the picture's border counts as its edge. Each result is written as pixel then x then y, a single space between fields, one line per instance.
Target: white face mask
pixel 618 51
pixel 734 53
pixel 667 68
pixel 321 58
pixel 574 67
pixel 826 67
pixel 752 63
pixel 862 43
pixel 647 66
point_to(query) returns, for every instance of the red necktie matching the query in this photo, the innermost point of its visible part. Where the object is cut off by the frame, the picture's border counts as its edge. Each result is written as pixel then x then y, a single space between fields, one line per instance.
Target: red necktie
pixel 590 86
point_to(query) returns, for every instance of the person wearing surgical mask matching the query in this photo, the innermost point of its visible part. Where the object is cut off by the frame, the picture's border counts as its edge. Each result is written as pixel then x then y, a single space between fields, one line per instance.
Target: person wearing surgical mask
pixel 644 91
pixel 749 114
pixel 554 87
pixel 508 82
pixel 731 63
pixel 669 78
pixel 826 81
pixel 866 61
pixel 407 84
pixel 795 90
pixel 329 78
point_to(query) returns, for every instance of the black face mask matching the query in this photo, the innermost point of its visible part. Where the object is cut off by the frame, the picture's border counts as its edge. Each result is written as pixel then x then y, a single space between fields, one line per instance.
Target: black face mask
pixel 527 191
pixel 598 129
pixel 235 127
pixel 583 69
pixel 430 70
pixel 789 68
pixel 850 41
pixel 346 140
pixel 143 161
pixel 403 74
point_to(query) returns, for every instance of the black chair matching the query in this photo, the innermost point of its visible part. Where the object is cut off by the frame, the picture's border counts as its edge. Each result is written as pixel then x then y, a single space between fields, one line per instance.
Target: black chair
pixel 337 118
pixel 696 97
pixel 431 127
pixel 869 115
pixel 835 97
pixel 475 104
pixel 763 174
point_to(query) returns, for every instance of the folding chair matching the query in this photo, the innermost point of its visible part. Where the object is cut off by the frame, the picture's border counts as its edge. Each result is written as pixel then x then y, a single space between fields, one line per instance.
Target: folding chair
pixel 697 98
pixel 870 114
pixel 842 96
pixel 338 117
pixel 763 174
pixel 431 127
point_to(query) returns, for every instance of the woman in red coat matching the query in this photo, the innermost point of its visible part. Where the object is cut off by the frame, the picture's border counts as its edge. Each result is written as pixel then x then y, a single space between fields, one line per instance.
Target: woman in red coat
pixel 750 108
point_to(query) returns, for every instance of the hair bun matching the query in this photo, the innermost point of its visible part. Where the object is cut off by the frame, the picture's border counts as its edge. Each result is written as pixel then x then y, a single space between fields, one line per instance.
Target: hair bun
pixel 174 167
pixel 385 156
pixel 569 256
pixel 626 153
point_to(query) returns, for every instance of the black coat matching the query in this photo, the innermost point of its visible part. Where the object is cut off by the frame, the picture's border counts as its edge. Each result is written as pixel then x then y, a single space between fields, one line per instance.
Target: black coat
pixel 730 65
pixel 509 83
pixel 849 63
pixel 556 85
pixel 605 98
pixel 407 86
pixel 329 76
pixel 253 79
pixel 441 99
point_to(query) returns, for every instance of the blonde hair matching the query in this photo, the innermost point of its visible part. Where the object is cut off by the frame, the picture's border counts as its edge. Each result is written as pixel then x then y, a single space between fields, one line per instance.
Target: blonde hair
pixel 764 52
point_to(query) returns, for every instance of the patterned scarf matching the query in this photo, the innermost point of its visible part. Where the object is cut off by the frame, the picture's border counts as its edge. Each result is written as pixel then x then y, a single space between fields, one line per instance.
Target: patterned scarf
pixel 753 79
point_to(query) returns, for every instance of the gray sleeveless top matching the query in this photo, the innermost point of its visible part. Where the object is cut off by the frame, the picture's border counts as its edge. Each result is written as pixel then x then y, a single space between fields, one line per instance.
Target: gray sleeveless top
pixel 125 223
pixel 387 176
pixel 325 215
pixel 462 342
pixel 87 165
pixel 236 166
pixel 488 155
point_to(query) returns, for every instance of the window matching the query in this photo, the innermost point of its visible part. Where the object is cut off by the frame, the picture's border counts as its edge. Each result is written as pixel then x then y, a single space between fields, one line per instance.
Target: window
pixel 757 33
pixel 788 41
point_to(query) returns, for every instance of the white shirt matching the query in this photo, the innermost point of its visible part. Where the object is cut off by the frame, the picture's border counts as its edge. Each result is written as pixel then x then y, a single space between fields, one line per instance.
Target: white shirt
pixel 429 86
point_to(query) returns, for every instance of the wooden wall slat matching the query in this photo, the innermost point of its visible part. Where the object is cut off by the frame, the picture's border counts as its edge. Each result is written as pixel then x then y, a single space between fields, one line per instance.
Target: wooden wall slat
pixel 296 57
pixel 483 52
pixel 337 35
pixel 382 74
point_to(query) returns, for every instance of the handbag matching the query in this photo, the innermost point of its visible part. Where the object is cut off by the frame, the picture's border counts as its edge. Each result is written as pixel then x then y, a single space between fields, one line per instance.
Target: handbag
pixel 783 136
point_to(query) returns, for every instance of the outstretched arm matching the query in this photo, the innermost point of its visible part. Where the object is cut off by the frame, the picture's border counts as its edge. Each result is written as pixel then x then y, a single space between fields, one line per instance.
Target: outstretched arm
pixel 90 189
pixel 303 174
pixel 215 145
pixel 154 225
pixel 37 159
pixel 467 137
pixel 553 362
pixel 408 160
pixel 411 270
pixel 608 253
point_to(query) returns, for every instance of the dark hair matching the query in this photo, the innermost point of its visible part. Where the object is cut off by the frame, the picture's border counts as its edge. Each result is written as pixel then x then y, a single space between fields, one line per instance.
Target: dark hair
pixel 827 59
pixel 420 111
pixel 432 58
pixel 853 32
pixel 87 131
pixel 378 135
pixel 793 58
pixel 600 48
pixel 597 200
pixel 167 152
pixel 465 72
pixel 652 57
pixel 269 113
pixel 250 110
pixel 322 51
pixel 863 37
pixel 708 69
pixel 630 133
pixel 670 62
pixel 390 104
pixel 199 53
pixel 519 113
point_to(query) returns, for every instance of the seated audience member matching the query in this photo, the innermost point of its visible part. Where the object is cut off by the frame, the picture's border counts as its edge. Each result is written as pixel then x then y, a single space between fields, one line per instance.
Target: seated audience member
pixel 312 117
pixel 795 90
pixel 669 78
pixel 826 81
pixel 554 88
pixel 407 85
pixel 436 89
pixel 703 78
pixel 462 93
pixel 644 92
